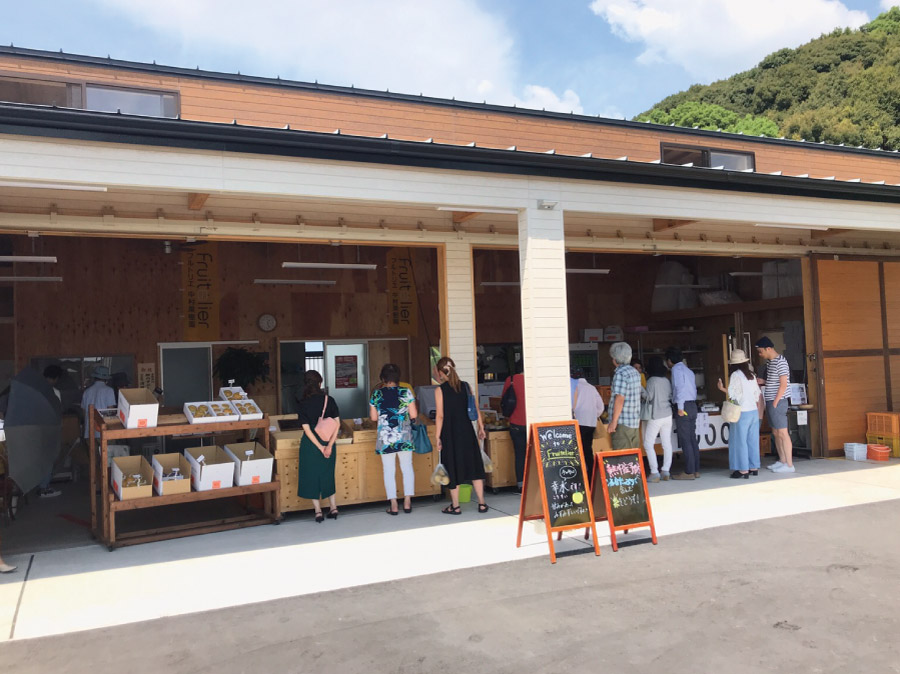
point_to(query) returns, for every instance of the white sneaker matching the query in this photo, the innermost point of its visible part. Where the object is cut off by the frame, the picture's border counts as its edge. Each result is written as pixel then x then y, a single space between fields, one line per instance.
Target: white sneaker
pixel 775 466
pixel 783 468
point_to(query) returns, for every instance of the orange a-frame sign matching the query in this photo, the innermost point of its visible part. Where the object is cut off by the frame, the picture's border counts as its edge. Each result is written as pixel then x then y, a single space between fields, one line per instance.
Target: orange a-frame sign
pixel 625 503
pixel 555 489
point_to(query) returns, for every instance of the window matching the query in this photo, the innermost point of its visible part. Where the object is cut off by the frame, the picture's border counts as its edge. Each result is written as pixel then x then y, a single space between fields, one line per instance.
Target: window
pixel 707 157
pixel 130 101
pixel 40 92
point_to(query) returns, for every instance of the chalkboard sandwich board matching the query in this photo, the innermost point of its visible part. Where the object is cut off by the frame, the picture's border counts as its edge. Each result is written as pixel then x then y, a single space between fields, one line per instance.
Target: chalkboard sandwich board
pixel 624 503
pixel 555 488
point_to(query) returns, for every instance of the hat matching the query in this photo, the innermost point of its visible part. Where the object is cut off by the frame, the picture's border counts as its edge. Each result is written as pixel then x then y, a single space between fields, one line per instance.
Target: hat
pixel 737 357
pixel 101 372
pixel 765 343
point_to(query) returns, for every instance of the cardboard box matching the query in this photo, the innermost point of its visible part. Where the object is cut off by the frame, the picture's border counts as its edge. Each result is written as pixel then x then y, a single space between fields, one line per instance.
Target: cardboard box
pixel 232 393
pixel 124 467
pixel 217 411
pixel 592 335
pixel 216 471
pixel 247 410
pixel 138 408
pixel 250 470
pixel 359 434
pixel 287 439
pixel 164 463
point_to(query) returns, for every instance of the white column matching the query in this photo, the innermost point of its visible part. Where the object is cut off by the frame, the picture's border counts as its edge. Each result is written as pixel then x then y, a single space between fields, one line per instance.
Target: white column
pixel 458 308
pixel 545 320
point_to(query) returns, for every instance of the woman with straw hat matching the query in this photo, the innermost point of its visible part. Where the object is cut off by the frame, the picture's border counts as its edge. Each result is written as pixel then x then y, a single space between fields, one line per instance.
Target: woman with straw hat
pixel 743 438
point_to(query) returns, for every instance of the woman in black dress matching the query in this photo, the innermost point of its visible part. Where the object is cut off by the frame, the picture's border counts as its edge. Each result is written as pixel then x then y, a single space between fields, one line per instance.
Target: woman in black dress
pixel 456 439
pixel 317 457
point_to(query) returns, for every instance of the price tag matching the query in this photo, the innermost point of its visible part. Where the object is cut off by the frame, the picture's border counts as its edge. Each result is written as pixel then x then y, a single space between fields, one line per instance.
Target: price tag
pixel 802 418
pixel 201 458
pixel 357 422
pixel 248 453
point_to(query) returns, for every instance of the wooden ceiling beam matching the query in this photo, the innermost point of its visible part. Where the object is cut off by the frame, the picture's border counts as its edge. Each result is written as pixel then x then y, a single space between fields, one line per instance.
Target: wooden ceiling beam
pixel 665 224
pixel 831 231
pixel 196 200
pixel 460 217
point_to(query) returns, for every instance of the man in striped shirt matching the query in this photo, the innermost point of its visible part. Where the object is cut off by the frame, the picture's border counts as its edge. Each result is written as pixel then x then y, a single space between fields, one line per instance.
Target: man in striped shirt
pixel 775 392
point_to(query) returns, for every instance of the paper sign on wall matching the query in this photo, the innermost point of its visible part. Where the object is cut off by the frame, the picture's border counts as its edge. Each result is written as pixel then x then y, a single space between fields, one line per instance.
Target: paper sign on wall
pixel 147 376
pixel 200 292
pixel 802 419
pixel 346 372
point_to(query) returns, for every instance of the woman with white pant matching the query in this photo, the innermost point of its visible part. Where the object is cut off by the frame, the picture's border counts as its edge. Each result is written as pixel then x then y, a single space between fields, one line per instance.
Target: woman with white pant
pixel 658 397
pixel 394 408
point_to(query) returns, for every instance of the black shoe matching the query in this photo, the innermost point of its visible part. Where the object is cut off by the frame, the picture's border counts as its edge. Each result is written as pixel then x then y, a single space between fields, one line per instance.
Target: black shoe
pixel 333 514
pixel 754 473
pixel 737 475
pixel 319 518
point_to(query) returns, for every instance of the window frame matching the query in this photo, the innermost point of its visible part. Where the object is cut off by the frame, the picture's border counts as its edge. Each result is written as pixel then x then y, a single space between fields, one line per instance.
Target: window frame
pixel 85 83
pixel 705 150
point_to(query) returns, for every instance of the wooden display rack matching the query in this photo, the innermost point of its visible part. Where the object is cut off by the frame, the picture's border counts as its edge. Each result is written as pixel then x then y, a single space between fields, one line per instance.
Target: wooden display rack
pixel 104 530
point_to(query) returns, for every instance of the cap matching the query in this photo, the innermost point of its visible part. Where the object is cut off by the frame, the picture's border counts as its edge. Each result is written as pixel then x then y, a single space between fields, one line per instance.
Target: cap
pixel 765 343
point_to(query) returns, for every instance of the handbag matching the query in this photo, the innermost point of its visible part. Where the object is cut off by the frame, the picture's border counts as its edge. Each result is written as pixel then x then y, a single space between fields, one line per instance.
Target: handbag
pixel 646 410
pixel 421 441
pixel 471 407
pixel 509 401
pixel 325 426
pixel 731 412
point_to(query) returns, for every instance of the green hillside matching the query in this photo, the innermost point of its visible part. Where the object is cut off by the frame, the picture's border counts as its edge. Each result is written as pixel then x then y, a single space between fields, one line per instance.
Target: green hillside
pixel 840 88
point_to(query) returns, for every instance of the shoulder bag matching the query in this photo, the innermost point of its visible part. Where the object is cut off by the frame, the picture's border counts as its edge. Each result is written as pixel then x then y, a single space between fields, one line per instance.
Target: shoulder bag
pixel 731 410
pixel 421 441
pixel 325 426
pixel 508 401
pixel 471 405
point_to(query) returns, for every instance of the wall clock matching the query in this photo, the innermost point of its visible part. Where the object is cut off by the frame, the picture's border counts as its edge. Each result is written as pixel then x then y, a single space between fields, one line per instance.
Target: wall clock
pixel 267 322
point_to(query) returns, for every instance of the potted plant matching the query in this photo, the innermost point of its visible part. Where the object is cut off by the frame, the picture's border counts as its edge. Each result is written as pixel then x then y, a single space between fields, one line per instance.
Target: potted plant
pixel 242 366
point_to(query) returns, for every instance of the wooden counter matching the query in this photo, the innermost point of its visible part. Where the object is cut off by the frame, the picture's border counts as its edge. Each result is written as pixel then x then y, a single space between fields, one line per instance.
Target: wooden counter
pixel 358 474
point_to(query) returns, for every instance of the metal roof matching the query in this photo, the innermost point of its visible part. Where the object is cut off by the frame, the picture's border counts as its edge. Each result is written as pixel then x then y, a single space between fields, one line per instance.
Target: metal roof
pixel 109 62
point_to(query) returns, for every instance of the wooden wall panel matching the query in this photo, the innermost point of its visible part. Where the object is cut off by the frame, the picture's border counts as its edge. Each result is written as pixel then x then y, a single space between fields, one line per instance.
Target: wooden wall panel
pixel 853 386
pixel 892 297
pixel 262 105
pixel 850 305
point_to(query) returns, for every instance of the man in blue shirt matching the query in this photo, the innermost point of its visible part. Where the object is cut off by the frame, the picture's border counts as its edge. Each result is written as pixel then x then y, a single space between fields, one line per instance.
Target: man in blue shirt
pixel 684 398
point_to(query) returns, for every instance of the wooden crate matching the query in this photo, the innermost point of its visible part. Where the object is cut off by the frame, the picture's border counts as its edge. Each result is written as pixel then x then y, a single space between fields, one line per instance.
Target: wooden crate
pixel 359 436
pixel 499 447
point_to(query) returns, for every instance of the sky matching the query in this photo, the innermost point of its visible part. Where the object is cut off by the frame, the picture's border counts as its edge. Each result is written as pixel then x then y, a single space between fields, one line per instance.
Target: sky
pixel 613 58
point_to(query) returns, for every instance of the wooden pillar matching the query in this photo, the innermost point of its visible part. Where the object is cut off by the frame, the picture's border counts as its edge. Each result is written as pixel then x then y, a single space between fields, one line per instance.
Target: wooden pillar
pixel 458 309
pixel 545 319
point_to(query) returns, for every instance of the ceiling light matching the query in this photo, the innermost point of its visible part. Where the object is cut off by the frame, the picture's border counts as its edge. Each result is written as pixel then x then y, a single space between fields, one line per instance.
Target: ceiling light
pixel 52 186
pixel 812 227
pixel 681 285
pixel 327 265
pixel 27 258
pixel 17 279
pixel 745 273
pixel 547 204
pixel 291 282
pixel 500 283
pixel 587 271
pixel 469 209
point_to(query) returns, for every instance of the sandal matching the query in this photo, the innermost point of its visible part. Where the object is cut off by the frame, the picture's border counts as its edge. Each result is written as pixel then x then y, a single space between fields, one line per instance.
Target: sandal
pixel 450 510
pixel 333 514
pixel 392 512
pixel 319 517
pixel 483 507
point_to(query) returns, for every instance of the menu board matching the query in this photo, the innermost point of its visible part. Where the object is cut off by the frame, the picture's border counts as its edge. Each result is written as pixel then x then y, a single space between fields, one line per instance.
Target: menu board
pixel 625 496
pixel 564 483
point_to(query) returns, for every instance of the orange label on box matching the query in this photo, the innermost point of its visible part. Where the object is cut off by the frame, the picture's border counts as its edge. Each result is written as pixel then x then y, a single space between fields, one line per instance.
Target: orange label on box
pixel 122 415
pixel 142 423
pixel 115 486
pixel 255 479
pixel 217 484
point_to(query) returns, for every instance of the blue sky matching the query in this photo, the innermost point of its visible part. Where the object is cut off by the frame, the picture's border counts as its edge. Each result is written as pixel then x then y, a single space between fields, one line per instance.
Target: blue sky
pixel 607 57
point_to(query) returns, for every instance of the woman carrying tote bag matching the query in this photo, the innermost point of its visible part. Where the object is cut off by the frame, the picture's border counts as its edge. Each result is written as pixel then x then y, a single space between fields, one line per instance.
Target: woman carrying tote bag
pixel 743 438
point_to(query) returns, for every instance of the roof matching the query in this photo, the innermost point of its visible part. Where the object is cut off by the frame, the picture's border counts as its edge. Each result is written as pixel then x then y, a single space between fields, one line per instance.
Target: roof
pixel 42 121
pixel 109 62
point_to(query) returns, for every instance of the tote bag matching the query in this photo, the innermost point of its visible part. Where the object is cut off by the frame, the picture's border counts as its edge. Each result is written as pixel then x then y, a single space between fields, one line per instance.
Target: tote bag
pixel 421 441
pixel 731 412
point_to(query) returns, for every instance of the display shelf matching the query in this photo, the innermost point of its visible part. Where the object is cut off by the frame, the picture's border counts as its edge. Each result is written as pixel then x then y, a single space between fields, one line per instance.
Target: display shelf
pixel 103 518
pixel 727 309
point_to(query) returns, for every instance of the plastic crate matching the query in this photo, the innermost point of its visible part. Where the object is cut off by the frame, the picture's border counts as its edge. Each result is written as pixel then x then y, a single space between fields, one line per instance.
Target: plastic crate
pixel 892 442
pixel 879 453
pixel 883 423
pixel 855 451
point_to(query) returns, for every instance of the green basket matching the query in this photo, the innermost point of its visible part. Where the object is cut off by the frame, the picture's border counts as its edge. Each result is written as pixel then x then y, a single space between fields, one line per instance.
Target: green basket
pixel 465 493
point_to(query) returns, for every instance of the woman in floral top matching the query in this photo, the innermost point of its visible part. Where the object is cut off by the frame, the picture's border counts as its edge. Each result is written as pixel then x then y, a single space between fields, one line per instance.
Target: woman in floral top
pixel 394 407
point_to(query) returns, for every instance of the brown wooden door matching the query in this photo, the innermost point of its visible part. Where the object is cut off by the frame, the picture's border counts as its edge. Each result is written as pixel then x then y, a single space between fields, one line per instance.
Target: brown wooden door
pixel 855 341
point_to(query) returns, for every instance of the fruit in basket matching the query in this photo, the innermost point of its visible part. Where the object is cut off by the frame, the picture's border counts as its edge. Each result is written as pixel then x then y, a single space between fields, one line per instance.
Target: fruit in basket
pixel 193 409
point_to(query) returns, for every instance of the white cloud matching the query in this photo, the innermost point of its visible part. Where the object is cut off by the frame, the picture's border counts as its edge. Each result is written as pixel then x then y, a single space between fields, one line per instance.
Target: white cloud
pixel 887 4
pixel 442 48
pixel 712 39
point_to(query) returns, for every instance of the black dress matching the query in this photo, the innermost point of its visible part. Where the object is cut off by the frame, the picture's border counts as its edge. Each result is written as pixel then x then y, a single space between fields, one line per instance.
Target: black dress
pixel 460 453
pixel 316 473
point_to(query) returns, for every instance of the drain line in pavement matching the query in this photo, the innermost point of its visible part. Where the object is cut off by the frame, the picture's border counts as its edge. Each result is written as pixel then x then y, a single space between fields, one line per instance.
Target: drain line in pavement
pixel 12 629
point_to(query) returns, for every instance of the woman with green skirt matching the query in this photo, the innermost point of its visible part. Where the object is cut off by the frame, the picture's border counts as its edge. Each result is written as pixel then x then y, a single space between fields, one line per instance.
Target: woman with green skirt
pixel 317 457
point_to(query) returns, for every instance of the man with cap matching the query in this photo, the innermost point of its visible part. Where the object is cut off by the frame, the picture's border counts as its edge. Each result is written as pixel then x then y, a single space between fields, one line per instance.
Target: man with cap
pixel 98 394
pixel 775 392
pixel 684 397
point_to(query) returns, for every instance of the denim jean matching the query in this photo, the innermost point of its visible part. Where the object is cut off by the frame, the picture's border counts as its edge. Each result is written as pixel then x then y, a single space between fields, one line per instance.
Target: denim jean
pixel 743 442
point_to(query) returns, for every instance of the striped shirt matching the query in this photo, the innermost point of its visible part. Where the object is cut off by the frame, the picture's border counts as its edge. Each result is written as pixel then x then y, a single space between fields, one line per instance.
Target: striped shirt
pixel 775 370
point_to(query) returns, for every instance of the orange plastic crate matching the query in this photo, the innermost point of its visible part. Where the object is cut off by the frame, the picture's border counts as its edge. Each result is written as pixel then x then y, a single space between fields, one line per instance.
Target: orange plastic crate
pixel 883 423
pixel 879 453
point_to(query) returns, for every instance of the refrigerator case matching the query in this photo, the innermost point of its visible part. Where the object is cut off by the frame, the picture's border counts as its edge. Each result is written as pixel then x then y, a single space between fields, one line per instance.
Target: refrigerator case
pixel 587 357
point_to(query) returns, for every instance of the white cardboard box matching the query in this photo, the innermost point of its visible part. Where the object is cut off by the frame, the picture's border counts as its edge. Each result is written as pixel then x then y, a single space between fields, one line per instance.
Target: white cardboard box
pixel 138 408
pixel 125 466
pixel 191 409
pixel 237 393
pixel 163 463
pixel 215 472
pixel 593 335
pixel 247 410
pixel 253 470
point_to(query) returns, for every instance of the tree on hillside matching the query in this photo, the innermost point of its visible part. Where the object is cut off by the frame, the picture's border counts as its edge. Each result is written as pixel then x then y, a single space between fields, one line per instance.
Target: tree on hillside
pixel 711 116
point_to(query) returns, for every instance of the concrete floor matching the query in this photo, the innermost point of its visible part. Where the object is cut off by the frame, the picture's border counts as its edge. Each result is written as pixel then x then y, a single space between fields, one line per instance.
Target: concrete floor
pixel 814 592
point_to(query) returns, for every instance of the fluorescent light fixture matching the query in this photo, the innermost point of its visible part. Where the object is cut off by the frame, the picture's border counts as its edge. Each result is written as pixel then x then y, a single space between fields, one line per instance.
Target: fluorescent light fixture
pixel 587 271
pixel 498 284
pixel 327 265
pixel 806 227
pixel 745 273
pixel 291 282
pixel 547 204
pixel 19 279
pixel 681 285
pixel 469 209
pixel 52 186
pixel 27 258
